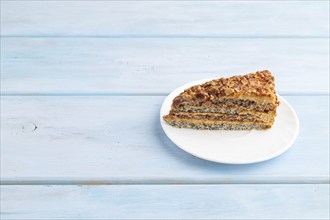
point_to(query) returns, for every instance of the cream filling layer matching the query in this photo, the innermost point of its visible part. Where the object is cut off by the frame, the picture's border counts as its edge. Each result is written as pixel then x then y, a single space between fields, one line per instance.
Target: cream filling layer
pixel 203 121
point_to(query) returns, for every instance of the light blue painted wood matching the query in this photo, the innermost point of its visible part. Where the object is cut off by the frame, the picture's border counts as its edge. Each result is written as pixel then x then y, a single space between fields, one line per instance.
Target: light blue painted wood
pixel 149 66
pixel 151 48
pixel 119 140
pixel 166 202
pixel 165 18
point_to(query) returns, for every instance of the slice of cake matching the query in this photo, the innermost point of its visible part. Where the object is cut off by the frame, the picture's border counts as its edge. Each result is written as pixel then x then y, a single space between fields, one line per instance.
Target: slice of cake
pixel 236 103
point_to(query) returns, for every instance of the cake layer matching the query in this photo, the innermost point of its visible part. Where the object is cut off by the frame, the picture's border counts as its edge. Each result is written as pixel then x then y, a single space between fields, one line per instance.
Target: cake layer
pixel 202 124
pixel 228 103
pixel 221 116
pixel 231 110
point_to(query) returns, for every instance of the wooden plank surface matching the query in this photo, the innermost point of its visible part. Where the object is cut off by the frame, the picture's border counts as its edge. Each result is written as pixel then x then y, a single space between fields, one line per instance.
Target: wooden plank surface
pixel 165 18
pixel 89 145
pixel 157 66
pixel 118 139
pixel 166 202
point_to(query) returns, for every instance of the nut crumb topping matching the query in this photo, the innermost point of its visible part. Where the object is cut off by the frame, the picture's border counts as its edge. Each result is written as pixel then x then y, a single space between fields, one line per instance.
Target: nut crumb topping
pixel 260 83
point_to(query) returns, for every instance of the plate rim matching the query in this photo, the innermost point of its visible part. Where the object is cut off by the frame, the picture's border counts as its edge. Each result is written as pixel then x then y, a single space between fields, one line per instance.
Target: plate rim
pixel 261 159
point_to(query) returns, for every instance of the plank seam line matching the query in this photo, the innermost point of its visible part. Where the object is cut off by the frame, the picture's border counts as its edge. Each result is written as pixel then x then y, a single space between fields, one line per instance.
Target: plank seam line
pixel 102 182
pixel 172 36
pixel 160 184
pixel 178 0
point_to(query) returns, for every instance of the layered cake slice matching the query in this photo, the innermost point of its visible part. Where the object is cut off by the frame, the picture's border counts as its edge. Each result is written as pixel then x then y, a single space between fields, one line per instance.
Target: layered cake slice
pixel 236 103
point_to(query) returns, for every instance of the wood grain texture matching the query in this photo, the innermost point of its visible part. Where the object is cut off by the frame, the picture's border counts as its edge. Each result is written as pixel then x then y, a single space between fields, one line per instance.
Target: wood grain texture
pixel 165 18
pixel 56 143
pixel 166 202
pixel 157 66
pixel 92 140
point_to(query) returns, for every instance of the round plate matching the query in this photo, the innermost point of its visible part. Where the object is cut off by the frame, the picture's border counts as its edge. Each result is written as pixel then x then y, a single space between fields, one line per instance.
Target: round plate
pixel 234 147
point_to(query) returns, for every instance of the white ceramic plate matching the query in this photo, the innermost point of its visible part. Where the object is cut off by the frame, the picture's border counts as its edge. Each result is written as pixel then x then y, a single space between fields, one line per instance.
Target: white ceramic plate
pixel 234 147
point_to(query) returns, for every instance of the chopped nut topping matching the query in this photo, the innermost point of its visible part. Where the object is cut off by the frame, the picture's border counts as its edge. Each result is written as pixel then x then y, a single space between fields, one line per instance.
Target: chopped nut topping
pixel 177 101
pixel 202 96
pixel 229 91
pixel 260 83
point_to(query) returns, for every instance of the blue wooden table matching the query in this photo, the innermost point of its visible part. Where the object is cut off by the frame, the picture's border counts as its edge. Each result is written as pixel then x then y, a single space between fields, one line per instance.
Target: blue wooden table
pixel 81 87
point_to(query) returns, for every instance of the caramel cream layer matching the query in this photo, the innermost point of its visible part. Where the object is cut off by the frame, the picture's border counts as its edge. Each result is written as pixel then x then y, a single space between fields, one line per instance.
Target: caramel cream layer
pixel 213 122
pixel 222 116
